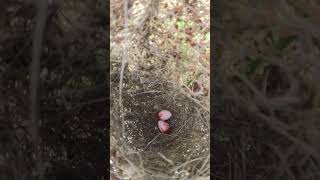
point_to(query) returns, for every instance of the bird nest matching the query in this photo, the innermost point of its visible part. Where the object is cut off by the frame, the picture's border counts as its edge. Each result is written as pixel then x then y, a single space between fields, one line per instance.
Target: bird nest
pixel 134 127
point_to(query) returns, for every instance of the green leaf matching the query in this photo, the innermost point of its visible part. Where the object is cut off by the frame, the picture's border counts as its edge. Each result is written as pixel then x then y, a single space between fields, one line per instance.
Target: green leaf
pixel 188 82
pixel 254 64
pixel 181 24
pixel 283 43
pixel 208 36
pixel 185 49
pixel 190 23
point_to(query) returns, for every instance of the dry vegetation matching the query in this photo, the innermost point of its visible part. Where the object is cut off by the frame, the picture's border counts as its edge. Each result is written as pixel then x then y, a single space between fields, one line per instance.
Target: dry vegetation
pixel 266 90
pixel 159 60
pixel 72 91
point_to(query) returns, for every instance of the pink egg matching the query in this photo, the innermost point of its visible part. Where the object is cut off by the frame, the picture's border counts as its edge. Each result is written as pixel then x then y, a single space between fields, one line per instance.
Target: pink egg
pixel 164 127
pixel 164 115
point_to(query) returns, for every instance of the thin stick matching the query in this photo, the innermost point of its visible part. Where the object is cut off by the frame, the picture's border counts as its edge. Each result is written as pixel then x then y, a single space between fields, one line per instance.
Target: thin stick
pixel 123 63
pixel 145 148
pixel 140 159
pixel 165 158
pixel 147 92
pixel 41 19
pixel 195 100
pixel 188 162
pixel 204 165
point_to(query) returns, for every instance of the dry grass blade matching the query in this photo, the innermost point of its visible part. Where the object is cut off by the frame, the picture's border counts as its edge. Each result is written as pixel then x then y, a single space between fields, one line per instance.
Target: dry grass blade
pixel 186 163
pixel 145 148
pixel 123 63
pixel 165 158
pixel 147 92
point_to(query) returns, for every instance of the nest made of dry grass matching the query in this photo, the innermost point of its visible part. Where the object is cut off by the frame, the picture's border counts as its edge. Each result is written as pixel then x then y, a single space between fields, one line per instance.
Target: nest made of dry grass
pixel 161 155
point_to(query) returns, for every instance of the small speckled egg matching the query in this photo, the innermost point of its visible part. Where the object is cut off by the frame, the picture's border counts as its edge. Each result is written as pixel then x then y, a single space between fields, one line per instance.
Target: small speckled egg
pixel 164 127
pixel 164 115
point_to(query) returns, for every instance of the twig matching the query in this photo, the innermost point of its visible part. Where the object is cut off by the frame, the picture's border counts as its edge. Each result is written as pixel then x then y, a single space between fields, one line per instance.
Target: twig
pixel 79 105
pixel 165 158
pixel 123 63
pixel 42 6
pixel 202 169
pixel 140 159
pixel 195 100
pixel 188 162
pixel 145 148
pixel 138 169
pixel 146 92
pixel 301 144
